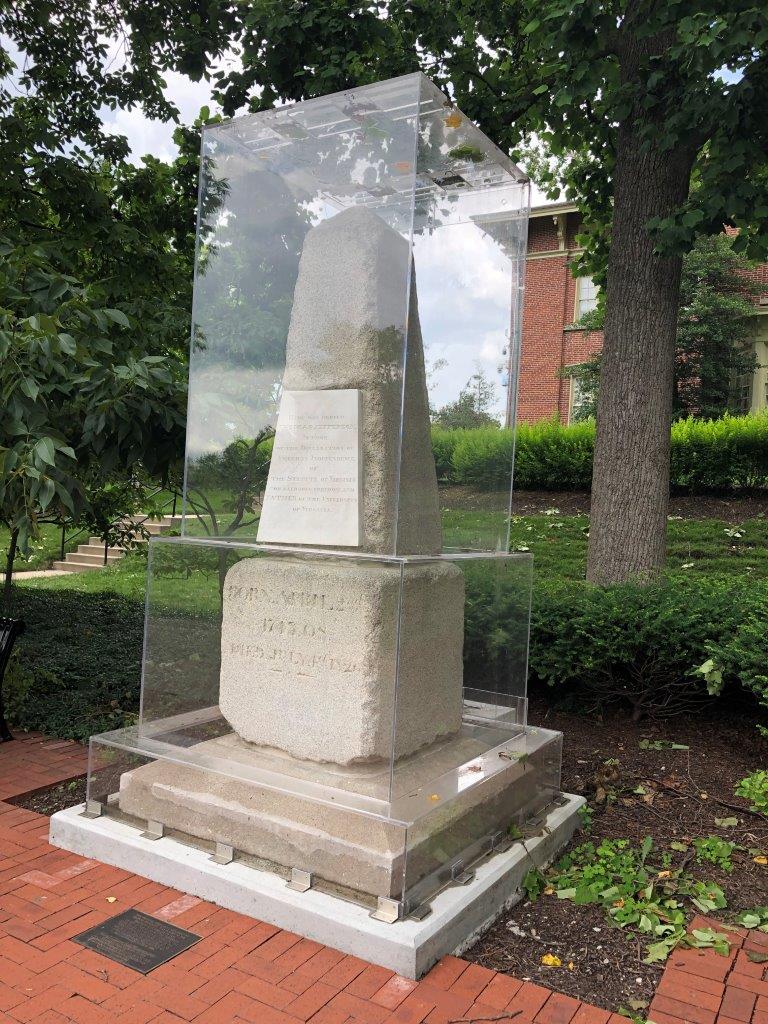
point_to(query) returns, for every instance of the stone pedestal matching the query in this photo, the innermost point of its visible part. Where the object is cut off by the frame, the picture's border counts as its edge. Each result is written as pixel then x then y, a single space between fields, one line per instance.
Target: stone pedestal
pixel 362 853
pixel 318 655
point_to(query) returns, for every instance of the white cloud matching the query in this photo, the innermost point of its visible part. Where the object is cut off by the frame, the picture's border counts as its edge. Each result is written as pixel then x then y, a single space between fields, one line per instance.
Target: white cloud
pixel 156 137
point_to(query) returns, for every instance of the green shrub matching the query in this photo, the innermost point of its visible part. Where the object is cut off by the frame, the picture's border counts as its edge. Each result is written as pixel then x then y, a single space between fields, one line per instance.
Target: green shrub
pixel 482 458
pixel 720 455
pixel 706 455
pixel 640 645
pixel 741 655
pixel 443 445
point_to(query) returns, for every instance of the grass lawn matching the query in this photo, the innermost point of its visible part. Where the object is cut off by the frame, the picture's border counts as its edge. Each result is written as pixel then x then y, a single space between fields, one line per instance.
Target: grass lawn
pixel 558 543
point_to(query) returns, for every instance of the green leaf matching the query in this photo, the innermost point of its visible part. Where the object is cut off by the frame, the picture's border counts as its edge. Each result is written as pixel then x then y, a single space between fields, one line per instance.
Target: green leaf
pixel 30 388
pixel 117 316
pixel 46 451
pixel 46 492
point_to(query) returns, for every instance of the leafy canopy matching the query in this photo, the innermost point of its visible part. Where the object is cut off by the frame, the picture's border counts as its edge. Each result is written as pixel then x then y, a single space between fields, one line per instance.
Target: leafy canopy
pixel 686 73
pixel 78 396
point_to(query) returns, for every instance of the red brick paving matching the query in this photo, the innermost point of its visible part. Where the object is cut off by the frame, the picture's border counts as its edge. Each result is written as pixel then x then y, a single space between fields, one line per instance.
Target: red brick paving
pixel 244 971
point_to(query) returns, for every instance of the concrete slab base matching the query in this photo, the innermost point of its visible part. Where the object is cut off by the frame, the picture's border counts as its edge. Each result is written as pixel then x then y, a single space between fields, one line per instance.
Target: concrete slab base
pixel 459 914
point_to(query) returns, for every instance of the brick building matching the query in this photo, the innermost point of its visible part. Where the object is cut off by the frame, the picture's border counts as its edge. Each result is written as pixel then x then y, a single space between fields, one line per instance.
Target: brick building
pixel 555 301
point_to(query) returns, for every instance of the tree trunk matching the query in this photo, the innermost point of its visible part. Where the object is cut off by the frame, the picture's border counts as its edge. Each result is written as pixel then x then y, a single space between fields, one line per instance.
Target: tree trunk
pixel 9 560
pixel 630 481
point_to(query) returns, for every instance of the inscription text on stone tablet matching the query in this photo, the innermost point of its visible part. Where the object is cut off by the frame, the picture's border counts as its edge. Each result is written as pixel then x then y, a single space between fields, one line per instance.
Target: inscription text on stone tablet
pixel 313 490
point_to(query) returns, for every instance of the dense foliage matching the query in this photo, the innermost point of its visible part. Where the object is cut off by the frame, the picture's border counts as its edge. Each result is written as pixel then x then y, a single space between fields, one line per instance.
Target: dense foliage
pixel 76 670
pixel 721 455
pixel 80 398
pixel 646 646
pixel 96 262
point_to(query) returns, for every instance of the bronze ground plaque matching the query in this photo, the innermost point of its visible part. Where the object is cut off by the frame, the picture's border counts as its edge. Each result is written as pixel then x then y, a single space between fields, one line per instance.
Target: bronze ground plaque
pixel 137 940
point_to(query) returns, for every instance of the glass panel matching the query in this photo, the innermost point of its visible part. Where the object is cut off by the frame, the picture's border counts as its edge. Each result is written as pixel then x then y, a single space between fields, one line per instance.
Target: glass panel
pixel 311 219
pixel 458 823
pixel 336 648
pixel 278 665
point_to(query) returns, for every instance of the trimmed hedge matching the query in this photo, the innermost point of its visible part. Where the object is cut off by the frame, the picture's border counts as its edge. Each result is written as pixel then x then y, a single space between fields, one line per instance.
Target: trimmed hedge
pixel 77 668
pixel 707 455
pixel 642 646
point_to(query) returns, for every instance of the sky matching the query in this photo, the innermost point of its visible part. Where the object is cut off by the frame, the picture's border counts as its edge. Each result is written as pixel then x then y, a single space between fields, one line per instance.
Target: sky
pixel 156 137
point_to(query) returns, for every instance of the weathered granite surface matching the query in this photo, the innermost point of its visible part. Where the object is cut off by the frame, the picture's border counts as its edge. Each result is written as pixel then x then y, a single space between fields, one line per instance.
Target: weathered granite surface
pixel 366 853
pixel 310 655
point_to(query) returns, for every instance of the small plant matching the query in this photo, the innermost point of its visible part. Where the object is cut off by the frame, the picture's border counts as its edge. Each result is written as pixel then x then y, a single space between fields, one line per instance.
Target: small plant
pixel 586 814
pixel 756 918
pixel 638 890
pixel 755 789
pixel 715 850
pixel 712 676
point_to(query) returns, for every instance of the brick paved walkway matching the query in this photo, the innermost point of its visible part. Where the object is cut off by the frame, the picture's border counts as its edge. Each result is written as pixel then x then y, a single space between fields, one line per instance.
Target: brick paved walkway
pixel 246 972
pixel 32 762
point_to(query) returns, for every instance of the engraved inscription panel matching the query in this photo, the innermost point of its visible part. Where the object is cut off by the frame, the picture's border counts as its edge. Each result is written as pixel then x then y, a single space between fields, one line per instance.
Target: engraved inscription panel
pixel 308 655
pixel 313 491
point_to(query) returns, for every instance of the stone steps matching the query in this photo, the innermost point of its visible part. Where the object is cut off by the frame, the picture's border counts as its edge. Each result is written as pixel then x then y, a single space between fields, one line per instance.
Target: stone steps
pixel 90 556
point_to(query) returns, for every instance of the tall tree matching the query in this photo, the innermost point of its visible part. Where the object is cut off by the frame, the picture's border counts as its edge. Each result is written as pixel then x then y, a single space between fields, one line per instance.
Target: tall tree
pixel 715 328
pixel 650 95
pixel 96 257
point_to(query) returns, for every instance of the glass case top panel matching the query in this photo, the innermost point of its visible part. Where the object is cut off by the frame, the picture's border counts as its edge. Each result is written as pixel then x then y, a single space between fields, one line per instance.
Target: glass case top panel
pixel 360 145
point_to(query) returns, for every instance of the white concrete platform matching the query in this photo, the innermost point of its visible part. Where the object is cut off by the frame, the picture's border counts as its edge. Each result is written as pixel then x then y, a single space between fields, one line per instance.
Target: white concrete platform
pixel 408 947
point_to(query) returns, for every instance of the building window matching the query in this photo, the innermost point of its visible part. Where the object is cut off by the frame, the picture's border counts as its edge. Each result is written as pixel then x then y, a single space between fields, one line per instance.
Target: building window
pixel 581 396
pixel 742 394
pixel 586 296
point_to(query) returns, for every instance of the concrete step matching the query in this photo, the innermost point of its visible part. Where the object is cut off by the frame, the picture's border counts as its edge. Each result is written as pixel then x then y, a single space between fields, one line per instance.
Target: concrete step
pixel 78 558
pixel 97 548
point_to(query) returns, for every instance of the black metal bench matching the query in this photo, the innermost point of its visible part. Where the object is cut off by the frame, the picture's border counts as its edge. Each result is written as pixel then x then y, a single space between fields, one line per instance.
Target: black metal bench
pixel 10 629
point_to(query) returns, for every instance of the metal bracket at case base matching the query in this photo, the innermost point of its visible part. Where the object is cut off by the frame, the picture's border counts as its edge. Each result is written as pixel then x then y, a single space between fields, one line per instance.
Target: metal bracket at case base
pixel 560 800
pixel 300 880
pixel 154 830
pixel 501 842
pixel 420 911
pixel 224 854
pixel 93 809
pixel 387 910
pixel 459 875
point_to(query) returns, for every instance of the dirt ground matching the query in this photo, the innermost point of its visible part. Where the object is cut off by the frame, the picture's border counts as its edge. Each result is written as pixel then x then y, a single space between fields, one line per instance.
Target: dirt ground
pixel 684 791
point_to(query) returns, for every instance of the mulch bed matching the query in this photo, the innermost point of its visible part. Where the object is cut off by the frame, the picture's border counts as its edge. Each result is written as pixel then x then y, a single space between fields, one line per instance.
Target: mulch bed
pixel 731 509
pixel 53 798
pixel 685 790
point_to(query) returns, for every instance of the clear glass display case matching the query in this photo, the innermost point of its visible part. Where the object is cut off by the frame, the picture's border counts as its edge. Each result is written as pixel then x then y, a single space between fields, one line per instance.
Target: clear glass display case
pixel 335 658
